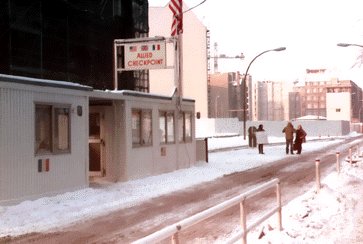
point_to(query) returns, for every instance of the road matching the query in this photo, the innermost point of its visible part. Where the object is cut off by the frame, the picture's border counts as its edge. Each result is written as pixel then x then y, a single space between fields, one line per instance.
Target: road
pixel 297 175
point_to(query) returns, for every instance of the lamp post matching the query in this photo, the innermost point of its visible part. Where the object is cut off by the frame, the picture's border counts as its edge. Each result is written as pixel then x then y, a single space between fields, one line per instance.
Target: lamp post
pixel 352 45
pixel 216 106
pixel 244 85
pixel 295 93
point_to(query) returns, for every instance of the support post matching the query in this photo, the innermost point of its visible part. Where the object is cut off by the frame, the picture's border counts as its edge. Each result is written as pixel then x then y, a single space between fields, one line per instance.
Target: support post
pixel 243 221
pixel 359 154
pixel 317 173
pixel 115 72
pixel 338 162
pixel 175 238
pixel 279 213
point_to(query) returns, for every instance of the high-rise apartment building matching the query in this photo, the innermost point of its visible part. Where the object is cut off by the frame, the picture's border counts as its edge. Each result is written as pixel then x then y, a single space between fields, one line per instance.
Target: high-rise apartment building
pixel 227 95
pixel 270 100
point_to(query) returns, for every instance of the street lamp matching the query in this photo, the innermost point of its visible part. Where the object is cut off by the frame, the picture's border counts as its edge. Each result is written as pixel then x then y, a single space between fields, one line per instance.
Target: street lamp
pixel 348 45
pixel 244 85
pixel 352 45
pixel 216 106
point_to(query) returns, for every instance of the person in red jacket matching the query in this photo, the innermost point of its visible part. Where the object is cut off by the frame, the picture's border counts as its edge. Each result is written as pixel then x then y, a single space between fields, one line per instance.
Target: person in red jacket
pixel 299 138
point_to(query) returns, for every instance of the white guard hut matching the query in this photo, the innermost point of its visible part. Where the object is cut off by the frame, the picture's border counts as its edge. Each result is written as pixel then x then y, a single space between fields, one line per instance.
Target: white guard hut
pixel 140 134
pixel 59 136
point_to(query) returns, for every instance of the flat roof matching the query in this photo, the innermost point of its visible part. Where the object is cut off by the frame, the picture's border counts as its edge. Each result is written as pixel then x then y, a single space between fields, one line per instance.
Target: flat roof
pixel 43 82
pixel 115 94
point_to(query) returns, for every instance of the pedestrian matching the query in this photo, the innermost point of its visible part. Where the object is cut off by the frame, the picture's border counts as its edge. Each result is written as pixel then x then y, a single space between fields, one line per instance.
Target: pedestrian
pixel 261 138
pixel 289 137
pixel 252 136
pixel 299 139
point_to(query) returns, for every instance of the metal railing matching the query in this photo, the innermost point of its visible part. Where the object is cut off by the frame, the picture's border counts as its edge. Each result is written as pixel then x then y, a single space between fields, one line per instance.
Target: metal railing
pixel 174 229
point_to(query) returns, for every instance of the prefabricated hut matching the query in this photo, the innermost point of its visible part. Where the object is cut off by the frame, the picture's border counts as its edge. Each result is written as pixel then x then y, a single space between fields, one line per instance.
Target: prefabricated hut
pixel 142 134
pixel 58 136
pixel 43 137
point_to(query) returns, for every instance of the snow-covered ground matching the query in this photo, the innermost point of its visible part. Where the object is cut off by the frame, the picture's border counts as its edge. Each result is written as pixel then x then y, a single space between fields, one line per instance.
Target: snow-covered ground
pixel 312 218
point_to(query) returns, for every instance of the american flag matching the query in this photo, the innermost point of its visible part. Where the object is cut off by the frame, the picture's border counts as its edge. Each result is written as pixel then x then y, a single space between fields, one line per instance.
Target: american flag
pixel 176 6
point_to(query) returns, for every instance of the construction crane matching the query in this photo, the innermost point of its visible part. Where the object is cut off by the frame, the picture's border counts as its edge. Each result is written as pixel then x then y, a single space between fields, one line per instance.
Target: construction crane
pixel 216 57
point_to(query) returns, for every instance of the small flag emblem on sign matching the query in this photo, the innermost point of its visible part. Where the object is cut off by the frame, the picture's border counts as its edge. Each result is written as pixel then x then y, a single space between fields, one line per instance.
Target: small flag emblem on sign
pixel 156 47
pixel 144 48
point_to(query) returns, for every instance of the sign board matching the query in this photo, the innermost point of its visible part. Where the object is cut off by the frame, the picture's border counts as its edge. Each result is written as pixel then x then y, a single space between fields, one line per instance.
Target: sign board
pixel 145 55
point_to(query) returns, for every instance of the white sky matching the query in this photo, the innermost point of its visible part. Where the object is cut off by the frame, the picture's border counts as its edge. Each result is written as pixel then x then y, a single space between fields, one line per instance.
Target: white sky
pixel 309 29
pixel 331 212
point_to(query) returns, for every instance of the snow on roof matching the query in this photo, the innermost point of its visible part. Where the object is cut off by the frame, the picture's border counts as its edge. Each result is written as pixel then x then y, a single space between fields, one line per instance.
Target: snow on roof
pixel 144 94
pixel 43 82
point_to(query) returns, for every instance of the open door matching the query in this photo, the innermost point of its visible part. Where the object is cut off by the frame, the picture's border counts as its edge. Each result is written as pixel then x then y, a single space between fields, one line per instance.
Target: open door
pixel 95 144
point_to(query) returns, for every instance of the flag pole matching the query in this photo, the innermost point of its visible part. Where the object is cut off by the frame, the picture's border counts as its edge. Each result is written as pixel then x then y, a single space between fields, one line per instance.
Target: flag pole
pixel 176 6
pixel 180 57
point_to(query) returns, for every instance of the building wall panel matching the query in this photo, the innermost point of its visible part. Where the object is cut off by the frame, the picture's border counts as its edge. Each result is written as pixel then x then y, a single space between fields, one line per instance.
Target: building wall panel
pixel 19 164
pixel 149 160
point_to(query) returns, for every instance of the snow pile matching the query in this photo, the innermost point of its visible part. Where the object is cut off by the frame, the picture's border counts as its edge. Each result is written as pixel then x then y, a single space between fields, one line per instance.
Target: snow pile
pixel 329 215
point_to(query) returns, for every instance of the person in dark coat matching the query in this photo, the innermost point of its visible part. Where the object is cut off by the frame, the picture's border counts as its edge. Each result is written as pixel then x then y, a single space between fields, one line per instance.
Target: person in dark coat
pixel 261 138
pixel 289 136
pixel 299 138
pixel 252 136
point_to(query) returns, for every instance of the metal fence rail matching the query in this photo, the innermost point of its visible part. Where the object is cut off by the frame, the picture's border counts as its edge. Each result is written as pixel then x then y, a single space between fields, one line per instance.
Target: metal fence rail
pixel 174 229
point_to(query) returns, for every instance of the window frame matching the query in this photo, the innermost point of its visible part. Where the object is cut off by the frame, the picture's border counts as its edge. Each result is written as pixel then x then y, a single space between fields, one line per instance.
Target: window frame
pixel 54 138
pixel 183 137
pixel 140 130
pixel 165 139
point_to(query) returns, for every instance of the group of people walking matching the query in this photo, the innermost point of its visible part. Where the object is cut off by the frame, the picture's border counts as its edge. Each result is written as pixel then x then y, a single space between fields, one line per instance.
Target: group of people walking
pixel 292 144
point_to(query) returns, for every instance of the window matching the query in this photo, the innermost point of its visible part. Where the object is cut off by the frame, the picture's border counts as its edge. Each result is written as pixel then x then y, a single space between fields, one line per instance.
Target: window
pixel 52 129
pixel 166 125
pixel 141 127
pixel 185 126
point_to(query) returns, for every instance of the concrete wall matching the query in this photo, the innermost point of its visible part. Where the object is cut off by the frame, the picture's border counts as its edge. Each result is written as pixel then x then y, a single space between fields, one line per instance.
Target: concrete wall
pixel 223 126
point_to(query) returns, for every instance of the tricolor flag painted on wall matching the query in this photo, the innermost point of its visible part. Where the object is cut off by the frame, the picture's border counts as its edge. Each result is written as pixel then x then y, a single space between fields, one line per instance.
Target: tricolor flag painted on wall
pixel 43 165
pixel 176 6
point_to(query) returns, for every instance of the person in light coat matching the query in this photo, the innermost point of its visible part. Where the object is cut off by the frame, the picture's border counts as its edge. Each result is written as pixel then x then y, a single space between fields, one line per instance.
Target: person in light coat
pixel 289 136
pixel 261 138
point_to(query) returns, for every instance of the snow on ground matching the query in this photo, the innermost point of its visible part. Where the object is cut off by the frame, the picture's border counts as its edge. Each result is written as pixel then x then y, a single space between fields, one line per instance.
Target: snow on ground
pixel 310 218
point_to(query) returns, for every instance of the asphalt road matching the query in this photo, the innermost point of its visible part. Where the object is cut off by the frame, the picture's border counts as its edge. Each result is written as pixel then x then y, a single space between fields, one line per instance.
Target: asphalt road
pixel 296 174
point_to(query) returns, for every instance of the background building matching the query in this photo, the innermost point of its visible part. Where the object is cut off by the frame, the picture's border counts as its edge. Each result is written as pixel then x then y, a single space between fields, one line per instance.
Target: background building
pixel 194 57
pixel 226 96
pixel 70 40
pixel 271 100
pixel 313 98
pixel 220 84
